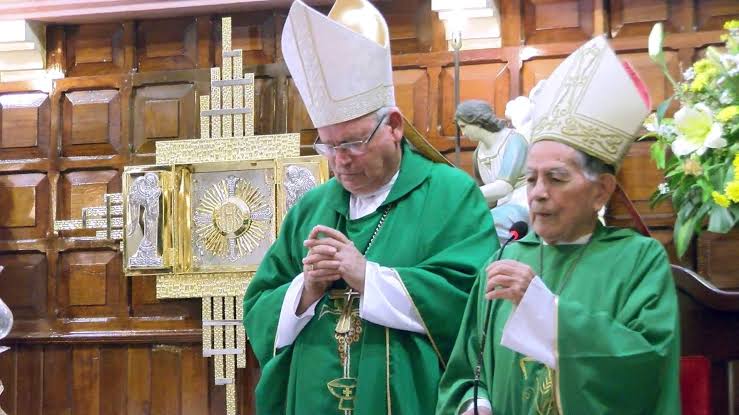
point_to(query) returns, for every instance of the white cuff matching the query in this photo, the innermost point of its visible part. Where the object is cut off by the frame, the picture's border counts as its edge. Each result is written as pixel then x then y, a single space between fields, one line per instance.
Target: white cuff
pixel 290 325
pixel 385 301
pixel 531 328
pixel 469 405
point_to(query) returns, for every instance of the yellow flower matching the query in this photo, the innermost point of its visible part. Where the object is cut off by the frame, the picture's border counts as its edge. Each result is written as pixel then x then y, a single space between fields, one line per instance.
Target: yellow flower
pixel 732 191
pixel 736 166
pixel 720 199
pixel 692 167
pixel 700 82
pixel 702 65
pixel 731 24
pixel 726 114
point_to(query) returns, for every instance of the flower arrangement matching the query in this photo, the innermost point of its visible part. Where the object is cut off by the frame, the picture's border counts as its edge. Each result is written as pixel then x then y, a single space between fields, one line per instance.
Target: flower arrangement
pixel 697 147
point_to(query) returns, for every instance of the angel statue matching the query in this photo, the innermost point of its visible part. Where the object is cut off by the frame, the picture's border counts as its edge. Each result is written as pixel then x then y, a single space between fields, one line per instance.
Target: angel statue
pixel 144 195
pixel 499 162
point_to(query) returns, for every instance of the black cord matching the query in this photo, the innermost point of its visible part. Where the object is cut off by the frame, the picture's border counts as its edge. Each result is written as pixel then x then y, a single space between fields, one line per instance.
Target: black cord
pixel 488 310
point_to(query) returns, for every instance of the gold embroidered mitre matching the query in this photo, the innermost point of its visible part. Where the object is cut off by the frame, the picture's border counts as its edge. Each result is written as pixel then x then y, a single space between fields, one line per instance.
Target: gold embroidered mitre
pixel 342 65
pixel 592 102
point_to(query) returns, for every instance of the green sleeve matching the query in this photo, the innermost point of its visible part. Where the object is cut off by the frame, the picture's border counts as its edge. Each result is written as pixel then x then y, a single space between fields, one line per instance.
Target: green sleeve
pixel 266 291
pixel 455 387
pixel 626 361
pixel 458 243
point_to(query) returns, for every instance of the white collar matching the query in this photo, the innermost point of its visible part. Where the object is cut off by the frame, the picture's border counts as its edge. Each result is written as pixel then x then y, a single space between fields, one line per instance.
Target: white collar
pixel 579 241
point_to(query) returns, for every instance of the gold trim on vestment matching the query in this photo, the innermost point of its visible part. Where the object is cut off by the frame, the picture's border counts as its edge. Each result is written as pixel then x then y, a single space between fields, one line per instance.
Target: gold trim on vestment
pixel 428 333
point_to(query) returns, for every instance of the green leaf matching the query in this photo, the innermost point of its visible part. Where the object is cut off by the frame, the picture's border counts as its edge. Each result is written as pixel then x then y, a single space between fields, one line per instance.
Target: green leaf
pixel 657 151
pixel 720 220
pixel 662 108
pixel 684 231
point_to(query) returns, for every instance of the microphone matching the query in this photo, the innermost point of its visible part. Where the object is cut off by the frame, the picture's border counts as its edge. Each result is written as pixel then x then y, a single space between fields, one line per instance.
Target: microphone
pixel 517 231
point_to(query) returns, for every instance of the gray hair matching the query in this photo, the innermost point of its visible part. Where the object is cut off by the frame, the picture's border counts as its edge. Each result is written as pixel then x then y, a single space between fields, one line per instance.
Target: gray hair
pixel 477 112
pixel 593 167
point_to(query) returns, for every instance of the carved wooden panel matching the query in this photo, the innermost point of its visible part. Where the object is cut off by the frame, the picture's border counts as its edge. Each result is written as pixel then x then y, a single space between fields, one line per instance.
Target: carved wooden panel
pixel 253 33
pixel 297 115
pixel 265 101
pixel 25 206
pixel 639 178
pixel 90 284
pixel 24 125
pixel 167 44
pixel 476 82
pixel 94 49
pixel 144 302
pixel 81 189
pixel 23 284
pixel 91 122
pixel 659 87
pixel 548 21
pixel 412 96
pixel 717 258
pixel 163 112
pixel 711 14
pixel 107 379
pixel 636 17
pixel 537 70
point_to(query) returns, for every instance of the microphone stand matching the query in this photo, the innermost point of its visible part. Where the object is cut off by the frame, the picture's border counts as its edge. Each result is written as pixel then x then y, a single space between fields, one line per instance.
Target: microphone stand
pixel 488 310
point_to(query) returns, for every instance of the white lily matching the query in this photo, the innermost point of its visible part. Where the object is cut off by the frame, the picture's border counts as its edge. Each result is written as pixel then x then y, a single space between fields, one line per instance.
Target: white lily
pixel 697 131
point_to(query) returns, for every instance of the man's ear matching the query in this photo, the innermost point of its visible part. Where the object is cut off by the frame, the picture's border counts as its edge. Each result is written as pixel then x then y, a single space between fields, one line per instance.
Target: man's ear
pixel 395 121
pixel 606 185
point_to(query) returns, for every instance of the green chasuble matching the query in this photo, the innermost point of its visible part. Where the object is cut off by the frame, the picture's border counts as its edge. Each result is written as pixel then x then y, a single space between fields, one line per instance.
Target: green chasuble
pixel 617 346
pixel 437 234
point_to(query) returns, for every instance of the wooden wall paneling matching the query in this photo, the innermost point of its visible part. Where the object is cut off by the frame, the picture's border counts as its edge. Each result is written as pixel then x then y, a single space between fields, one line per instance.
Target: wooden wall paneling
pixel 165 107
pixel 138 383
pixel 412 96
pixel 639 178
pixel 80 189
pixel 265 103
pixel 536 70
pixel 166 369
pixel 9 375
pixel 297 115
pixel 144 303
pixel 86 393
pixel 25 201
pixel 717 259
pixel 28 380
pixel 113 377
pixel 167 44
pixel 712 14
pixel 25 125
pixel 57 390
pixel 205 55
pixel 91 110
pixel 405 20
pixel 96 49
pixel 511 29
pixel 659 87
pixel 247 382
pixel 547 21
pixel 91 285
pixel 253 33
pixel 636 17
pixel 194 381
pixel 23 287
pixel 476 82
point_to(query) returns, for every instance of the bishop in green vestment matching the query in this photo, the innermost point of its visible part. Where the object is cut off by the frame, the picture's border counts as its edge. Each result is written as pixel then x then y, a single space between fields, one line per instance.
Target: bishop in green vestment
pixel 579 318
pixel 355 307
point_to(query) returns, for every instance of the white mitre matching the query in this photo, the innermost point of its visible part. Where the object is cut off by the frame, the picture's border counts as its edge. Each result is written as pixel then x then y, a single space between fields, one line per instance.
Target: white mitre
pixel 592 102
pixel 342 65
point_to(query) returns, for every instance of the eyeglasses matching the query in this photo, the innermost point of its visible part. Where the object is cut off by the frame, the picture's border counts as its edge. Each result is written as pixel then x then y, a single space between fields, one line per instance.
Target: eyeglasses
pixel 354 148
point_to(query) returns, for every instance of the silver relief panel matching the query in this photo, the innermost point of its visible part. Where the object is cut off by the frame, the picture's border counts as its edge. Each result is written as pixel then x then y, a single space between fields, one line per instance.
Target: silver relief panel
pixel 142 227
